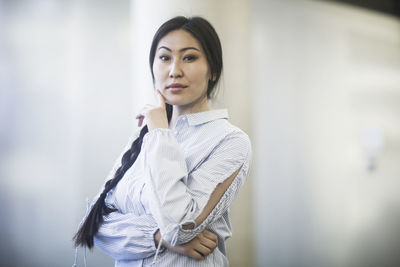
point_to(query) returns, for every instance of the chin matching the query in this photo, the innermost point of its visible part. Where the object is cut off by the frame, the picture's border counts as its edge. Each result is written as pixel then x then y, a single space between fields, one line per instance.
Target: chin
pixel 175 101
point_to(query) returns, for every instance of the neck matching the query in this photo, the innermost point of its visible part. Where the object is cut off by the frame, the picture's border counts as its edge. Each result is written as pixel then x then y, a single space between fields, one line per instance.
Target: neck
pixel 189 109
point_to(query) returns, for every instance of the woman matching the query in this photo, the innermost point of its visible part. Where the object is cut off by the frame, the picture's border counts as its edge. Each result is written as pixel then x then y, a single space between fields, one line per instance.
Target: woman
pixel 167 202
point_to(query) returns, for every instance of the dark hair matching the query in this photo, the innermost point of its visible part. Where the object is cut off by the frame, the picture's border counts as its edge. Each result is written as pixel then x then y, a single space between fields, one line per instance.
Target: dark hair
pixel 200 29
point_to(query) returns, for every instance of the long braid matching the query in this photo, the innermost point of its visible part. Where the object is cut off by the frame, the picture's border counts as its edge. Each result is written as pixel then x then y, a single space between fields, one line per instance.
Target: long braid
pixel 86 232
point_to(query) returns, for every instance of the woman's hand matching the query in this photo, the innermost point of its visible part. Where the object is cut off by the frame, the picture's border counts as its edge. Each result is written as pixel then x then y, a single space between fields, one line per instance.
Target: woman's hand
pixel 198 248
pixel 155 115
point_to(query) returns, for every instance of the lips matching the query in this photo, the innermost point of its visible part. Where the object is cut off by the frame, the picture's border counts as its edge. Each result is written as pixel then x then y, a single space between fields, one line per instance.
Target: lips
pixel 176 87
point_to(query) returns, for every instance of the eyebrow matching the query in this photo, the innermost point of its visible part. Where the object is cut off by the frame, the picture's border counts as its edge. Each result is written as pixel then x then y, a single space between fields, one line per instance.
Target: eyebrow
pixel 181 50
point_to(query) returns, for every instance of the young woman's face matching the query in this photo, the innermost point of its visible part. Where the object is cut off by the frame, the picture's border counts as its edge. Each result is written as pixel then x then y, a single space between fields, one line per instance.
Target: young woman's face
pixel 181 70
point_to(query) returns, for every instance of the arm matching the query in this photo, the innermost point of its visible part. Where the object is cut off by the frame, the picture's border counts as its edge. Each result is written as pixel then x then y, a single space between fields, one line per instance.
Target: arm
pixel 214 199
pixel 130 237
pixel 210 189
pixel 198 248
pixel 199 244
pixel 119 235
pixel 127 236
pixel 216 207
pixel 174 204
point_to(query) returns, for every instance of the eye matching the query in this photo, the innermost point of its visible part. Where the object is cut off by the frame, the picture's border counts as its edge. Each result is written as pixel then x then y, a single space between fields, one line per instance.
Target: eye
pixel 164 58
pixel 190 58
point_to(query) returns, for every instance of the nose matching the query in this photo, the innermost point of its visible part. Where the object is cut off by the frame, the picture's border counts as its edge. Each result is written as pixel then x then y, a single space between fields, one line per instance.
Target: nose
pixel 176 70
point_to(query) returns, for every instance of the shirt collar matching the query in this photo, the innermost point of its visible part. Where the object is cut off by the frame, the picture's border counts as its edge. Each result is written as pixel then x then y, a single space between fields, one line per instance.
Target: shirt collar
pixel 206 116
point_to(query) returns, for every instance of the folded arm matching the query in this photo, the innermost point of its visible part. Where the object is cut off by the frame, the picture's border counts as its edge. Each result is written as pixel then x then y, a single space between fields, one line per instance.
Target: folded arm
pixel 134 239
pixel 183 203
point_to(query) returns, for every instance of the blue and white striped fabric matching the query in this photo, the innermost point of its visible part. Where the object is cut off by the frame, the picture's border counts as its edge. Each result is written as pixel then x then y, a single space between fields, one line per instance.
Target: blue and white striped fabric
pixel 169 185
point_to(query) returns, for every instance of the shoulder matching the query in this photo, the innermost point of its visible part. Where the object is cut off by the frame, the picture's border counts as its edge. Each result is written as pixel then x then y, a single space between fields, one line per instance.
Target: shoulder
pixel 233 131
pixel 234 139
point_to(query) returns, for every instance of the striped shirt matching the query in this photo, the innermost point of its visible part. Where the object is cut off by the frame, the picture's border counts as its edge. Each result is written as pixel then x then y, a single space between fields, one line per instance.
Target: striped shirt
pixel 169 185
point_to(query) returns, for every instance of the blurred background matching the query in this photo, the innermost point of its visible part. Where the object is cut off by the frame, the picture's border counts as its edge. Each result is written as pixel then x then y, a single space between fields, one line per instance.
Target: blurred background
pixel 315 84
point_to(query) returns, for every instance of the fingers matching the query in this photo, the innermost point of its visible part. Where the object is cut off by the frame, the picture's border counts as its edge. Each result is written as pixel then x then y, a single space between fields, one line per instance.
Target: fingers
pixel 209 244
pixel 210 235
pixel 154 114
pixel 203 250
pixel 140 120
pixel 199 247
pixel 190 249
pixel 143 113
pixel 205 243
pixel 209 239
pixel 196 255
pixel 161 99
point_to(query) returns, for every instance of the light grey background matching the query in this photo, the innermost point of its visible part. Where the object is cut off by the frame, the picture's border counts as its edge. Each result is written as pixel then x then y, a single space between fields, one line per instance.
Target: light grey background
pixel 315 84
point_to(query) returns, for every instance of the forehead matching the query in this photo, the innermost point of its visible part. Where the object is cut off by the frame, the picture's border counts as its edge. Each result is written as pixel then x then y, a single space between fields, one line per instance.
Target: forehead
pixel 178 39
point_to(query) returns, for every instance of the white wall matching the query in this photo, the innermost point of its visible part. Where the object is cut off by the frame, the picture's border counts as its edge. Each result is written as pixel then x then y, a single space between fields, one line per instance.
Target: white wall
pixel 324 74
pixel 66 113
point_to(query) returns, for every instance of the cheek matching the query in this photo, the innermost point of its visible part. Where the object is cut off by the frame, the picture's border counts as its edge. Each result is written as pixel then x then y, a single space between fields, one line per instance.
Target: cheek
pixel 157 72
pixel 201 75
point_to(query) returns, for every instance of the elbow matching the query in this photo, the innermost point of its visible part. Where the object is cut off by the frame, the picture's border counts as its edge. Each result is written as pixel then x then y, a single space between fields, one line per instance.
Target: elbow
pixel 178 212
pixel 177 222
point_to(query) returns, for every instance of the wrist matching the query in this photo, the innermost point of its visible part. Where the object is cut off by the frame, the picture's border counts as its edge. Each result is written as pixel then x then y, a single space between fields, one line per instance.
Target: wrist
pixel 157 237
